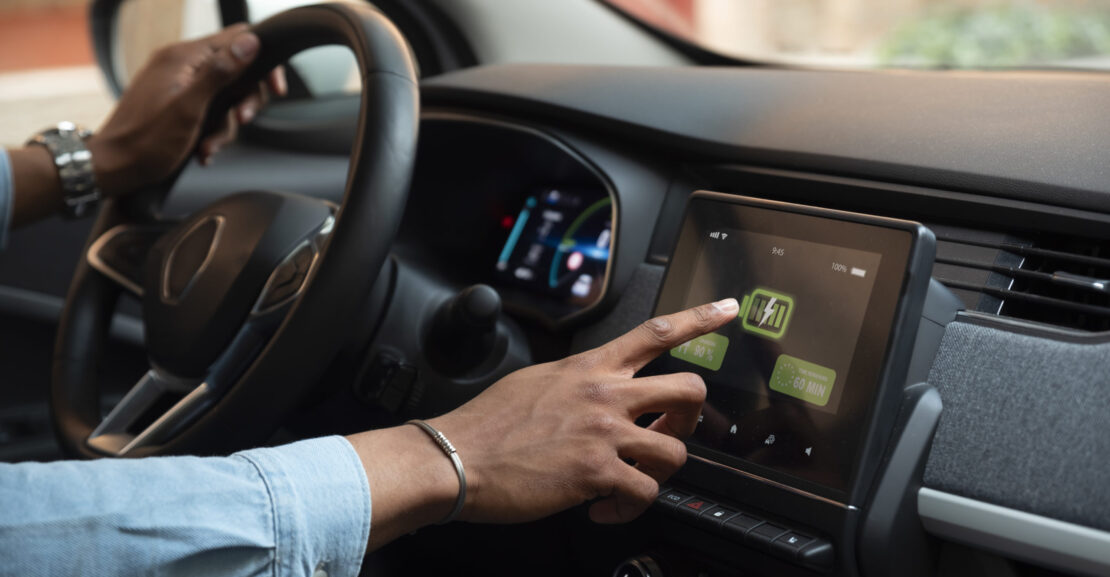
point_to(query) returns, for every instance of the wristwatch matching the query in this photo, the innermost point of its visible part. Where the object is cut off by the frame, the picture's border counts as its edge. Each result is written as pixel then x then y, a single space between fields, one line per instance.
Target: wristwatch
pixel 66 143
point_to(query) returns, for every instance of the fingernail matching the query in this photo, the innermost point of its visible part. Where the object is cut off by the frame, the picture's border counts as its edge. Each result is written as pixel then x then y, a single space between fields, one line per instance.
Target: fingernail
pixel 728 305
pixel 245 46
pixel 246 114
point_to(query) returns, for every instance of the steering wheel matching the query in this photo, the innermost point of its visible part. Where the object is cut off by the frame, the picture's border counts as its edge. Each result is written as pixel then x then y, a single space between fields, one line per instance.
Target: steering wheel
pixel 244 303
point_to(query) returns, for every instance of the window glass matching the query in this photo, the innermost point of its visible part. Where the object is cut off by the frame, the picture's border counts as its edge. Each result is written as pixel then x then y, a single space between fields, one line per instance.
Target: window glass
pixel 327 70
pixel 892 33
pixel 47 72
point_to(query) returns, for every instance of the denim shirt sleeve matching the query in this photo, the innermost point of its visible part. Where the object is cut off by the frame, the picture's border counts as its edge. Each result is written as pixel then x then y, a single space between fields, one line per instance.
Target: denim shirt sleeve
pixel 285 511
pixel 6 197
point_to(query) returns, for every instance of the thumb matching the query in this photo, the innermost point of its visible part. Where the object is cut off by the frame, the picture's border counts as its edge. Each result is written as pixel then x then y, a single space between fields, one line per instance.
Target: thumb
pixel 226 62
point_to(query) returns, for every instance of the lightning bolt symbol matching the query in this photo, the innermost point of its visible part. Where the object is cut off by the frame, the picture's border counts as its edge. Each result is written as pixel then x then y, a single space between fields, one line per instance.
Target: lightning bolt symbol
pixel 768 310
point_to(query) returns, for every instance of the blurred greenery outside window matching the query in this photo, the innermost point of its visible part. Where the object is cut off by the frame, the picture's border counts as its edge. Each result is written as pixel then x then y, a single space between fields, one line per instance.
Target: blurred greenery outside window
pixel 982 34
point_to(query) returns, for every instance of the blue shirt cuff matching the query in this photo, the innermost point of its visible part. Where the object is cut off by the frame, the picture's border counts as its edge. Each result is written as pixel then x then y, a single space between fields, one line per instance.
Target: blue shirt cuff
pixel 321 502
pixel 6 195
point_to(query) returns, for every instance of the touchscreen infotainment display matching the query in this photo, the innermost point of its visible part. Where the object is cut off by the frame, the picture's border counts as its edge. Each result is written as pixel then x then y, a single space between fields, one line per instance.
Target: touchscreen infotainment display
pixel 791 382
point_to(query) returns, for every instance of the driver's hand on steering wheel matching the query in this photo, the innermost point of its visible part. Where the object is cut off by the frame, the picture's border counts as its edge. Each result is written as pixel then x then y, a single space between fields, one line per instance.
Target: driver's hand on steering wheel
pixel 158 121
pixel 549 437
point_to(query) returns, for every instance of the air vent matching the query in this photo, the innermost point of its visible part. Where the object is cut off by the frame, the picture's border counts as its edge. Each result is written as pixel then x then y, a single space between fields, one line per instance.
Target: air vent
pixel 1054 280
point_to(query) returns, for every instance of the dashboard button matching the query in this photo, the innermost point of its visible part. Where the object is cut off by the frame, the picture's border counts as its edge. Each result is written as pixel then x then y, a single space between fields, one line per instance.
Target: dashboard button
pixel 695 507
pixel 739 525
pixel 790 543
pixel 818 554
pixel 672 498
pixel 762 536
pixel 716 516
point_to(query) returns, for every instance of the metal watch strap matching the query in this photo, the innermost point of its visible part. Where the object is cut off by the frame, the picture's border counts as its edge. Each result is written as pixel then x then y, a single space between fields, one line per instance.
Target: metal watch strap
pixel 66 144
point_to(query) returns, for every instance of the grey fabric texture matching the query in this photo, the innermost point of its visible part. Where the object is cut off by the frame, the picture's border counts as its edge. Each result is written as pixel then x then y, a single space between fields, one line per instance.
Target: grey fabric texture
pixel 635 306
pixel 1026 423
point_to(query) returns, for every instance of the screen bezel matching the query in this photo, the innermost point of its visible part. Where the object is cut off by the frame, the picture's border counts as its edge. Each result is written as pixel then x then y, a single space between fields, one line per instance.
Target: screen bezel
pixel 899 243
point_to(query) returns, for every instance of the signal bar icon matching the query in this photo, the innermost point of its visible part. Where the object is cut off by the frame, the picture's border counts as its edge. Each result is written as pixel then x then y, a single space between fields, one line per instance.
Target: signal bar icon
pixel 718 235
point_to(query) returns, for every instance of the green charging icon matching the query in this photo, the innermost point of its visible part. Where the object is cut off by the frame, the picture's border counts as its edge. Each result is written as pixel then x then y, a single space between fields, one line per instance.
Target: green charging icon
pixel 766 313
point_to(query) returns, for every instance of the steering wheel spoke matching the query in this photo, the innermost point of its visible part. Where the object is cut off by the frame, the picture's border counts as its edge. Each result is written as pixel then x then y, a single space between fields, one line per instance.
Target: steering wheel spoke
pixel 135 421
pixel 120 253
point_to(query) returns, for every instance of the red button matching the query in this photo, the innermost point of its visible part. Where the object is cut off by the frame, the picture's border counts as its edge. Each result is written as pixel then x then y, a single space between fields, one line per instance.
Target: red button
pixel 695 505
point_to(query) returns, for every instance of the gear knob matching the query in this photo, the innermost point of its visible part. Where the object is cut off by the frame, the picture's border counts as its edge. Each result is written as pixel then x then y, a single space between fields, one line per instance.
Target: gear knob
pixel 464 330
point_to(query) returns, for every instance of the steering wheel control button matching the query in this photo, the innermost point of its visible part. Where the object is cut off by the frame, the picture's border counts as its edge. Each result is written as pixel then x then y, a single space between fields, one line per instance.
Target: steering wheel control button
pixel 761 537
pixel 716 516
pixel 673 498
pixel 283 274
pixel 287 279
pixel 739 525
pixel 302 259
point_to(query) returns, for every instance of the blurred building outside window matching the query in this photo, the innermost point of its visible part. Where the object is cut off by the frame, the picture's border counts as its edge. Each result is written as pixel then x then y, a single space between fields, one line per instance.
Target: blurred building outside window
pixel 47 72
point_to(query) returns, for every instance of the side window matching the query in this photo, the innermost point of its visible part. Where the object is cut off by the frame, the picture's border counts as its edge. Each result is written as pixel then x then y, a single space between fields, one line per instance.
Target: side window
pixel 47 69
pixel 143 26
pixel 327 70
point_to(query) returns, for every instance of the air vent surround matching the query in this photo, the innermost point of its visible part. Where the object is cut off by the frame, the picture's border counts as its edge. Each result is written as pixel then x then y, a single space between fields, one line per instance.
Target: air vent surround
pixel 1043 278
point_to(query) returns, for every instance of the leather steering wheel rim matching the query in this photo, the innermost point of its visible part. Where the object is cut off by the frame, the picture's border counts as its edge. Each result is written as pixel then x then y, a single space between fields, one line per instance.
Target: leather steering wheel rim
pixel 381 165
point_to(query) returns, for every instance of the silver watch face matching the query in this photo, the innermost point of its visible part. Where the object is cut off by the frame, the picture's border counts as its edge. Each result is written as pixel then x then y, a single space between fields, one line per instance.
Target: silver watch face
pixel 75 166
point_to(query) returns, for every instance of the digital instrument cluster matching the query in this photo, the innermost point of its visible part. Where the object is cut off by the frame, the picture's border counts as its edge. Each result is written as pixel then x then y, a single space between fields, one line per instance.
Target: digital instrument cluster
pixel 557 248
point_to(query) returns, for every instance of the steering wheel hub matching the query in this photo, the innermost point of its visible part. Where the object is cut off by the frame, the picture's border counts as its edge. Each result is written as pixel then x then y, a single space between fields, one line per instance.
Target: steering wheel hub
pixel 206 275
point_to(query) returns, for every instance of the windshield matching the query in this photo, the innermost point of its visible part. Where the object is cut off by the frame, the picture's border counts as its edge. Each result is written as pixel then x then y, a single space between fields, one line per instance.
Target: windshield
pixel 891 33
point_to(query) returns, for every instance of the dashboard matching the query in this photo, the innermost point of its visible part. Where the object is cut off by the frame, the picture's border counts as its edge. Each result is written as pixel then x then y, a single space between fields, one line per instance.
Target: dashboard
pixel 898 444
pixel 913 430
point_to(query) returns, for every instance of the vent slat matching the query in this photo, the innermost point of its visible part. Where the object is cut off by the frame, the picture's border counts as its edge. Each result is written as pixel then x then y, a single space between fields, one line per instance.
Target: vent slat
pixel 1025 250
pixel 1007 294
pixel 1040 277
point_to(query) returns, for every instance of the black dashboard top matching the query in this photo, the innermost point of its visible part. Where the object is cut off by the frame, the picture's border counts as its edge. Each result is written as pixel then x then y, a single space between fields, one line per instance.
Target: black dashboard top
pixel 1036 136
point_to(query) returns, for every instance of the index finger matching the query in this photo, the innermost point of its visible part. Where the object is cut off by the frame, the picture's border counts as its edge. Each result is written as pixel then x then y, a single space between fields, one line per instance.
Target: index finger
pixel 656 336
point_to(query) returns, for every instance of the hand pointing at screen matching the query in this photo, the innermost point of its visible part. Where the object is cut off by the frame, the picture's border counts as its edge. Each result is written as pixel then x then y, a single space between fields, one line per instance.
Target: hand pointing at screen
pixel 550 436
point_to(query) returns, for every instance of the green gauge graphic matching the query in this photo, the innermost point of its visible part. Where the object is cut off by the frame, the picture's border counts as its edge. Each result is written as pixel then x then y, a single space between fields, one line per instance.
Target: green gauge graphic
pixel 706 351
pixel 569 243
pixel 766 313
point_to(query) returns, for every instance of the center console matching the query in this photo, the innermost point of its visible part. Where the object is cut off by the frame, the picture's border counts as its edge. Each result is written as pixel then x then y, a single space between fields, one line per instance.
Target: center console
pixel 808 418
